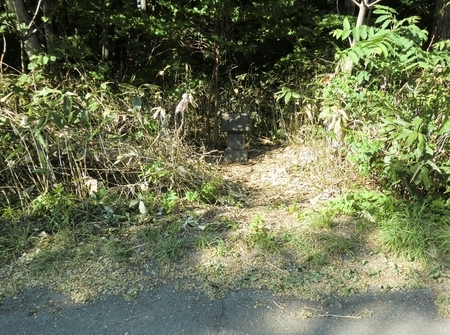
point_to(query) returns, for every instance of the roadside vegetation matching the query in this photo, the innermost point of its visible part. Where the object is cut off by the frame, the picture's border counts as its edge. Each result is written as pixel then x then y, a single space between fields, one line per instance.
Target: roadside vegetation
pixel 112 183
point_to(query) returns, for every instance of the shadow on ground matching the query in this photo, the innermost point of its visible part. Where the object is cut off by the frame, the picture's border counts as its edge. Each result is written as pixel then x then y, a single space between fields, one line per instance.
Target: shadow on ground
pixel 166 310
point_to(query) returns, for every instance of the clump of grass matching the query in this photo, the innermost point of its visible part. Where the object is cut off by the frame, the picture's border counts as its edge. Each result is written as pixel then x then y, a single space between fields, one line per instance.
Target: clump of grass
pixel 442 239
pixel 259 235
pixel 403 234
pixel 213 241
pixel 169 249
pixel 51 261
pixel 319 220
pixel 14 239
pixel 417 230
pixel 116 249
pixel 53 252
pixel 334 244
pixel 316 258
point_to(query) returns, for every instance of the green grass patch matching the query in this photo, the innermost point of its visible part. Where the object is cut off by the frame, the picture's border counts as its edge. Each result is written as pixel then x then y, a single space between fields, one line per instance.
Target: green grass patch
pixel 15 238
pixel 116 249
pixel 259 236
pixel 51 261
pixel 170 248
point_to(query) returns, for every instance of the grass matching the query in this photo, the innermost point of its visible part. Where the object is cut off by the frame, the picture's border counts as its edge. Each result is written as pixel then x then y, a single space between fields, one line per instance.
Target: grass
pixel 51 261
pixel 319 247
pixel 259 235
pixel 169 249
pixel 14 239
pixel 355 240
pixel 405 235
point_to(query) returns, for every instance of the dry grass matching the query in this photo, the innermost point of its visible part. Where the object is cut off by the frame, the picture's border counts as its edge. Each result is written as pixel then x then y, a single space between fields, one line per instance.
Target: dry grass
pixel 273 237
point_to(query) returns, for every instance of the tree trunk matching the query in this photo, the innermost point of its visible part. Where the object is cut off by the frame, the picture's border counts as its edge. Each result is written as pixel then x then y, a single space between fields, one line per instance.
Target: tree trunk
pixel 48 25
pixel 441 24
pixel 144 5
pixel 349 7
pixel 363 5
pixel 216 96
pixel 28 37
pixel 108 30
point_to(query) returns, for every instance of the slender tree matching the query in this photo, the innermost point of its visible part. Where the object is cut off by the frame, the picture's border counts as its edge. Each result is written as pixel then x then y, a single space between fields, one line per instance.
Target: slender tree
pixel 26 28
pixel 48 26
pixel 364 6
pixel 441 24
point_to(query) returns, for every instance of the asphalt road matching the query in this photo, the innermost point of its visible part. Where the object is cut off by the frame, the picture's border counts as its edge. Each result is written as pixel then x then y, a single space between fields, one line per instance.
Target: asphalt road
pixel 168 311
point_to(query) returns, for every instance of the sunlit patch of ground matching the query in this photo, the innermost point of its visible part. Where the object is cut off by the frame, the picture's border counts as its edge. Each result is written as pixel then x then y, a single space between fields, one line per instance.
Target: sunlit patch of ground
pixel 268 240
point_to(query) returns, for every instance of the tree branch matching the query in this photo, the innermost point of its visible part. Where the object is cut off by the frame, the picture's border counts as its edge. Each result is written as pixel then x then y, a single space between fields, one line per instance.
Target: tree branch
pixel 358 3
pixel 35 14
pixel 373 3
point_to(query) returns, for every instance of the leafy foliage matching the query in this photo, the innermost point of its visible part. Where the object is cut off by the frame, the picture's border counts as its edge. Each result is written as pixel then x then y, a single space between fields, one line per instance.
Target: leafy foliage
pixel 86 128
pixel 391 108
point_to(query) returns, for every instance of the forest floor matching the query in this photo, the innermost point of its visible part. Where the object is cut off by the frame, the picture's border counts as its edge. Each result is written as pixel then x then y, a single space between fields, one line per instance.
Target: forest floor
pixel 273 238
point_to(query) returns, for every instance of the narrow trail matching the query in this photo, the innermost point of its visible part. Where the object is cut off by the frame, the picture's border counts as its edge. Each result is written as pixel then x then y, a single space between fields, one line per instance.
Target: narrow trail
pixel 276 177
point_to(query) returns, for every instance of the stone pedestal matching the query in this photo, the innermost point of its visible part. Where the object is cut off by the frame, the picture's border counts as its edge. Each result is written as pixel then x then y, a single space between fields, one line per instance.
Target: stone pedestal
pixel 235 155
pixel 236 125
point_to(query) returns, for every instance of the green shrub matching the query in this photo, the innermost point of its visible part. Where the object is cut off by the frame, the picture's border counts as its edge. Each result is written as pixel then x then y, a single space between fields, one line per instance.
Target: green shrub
pixel 391 112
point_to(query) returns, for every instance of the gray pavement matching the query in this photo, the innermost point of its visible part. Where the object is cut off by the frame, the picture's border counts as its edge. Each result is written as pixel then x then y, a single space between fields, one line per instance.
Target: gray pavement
pixel 166 310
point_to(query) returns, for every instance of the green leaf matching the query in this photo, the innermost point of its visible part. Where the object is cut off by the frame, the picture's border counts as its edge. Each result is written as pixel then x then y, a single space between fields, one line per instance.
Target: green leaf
pixel 337 33
pixel 425 65
pixel 84 118
pixel 287 97
pixel 411 138
pixel 384 50
pixel 40 171
pixel 296 95
pixel 346 34
pixel 81 154
pixel 43 120
pixel 58 121
pixel 346 24
pixel 356 34
pixel 137 104
pixel 67 107
pixel 46 91
pixel 417 123
pixel 192 196
pixel 41 139
pixel 433 166
pixel 445 127
pixel 426 176
pixel 363 32
pixel 42 159
pixel 382 18
pixel 15 152
pixel 353 56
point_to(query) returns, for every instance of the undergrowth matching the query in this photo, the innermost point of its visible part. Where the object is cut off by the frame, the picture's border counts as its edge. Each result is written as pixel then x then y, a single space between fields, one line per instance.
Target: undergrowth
pixel 417 230
pixel 89 158
pixel 99 172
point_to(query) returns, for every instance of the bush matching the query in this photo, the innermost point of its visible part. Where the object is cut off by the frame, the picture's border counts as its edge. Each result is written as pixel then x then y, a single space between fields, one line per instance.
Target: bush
pixel 391 112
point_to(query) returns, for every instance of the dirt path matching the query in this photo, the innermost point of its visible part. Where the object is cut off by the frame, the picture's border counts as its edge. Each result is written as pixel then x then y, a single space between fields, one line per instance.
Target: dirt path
pixel 276 177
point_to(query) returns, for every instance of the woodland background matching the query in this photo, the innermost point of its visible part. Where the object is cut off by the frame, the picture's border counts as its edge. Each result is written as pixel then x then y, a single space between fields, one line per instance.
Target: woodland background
pixel 89 90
